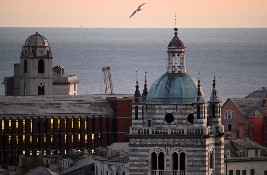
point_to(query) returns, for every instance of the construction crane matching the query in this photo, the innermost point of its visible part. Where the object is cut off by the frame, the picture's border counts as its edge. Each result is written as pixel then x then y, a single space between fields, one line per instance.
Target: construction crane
pixel 107 80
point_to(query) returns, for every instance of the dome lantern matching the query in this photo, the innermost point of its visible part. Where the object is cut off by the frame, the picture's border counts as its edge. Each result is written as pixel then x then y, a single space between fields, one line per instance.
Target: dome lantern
pixel 36 45
pixel 176 50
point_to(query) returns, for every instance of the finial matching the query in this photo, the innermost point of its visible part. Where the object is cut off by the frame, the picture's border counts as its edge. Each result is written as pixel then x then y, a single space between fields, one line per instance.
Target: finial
pixel 214 81
pixel 145 76
pixel 175 19
pixel 198 85
pixel 175 28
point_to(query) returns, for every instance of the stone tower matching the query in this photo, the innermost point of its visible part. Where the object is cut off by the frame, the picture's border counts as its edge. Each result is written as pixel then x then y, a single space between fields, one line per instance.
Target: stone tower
pixel 36 66
pixel 172 133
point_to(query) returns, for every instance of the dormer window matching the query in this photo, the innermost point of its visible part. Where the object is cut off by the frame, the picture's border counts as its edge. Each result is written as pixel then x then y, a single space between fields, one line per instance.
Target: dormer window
pixel 227 153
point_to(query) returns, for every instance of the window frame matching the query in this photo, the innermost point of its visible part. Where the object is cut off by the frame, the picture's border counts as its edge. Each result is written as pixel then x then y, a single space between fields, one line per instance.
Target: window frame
pixel 229 114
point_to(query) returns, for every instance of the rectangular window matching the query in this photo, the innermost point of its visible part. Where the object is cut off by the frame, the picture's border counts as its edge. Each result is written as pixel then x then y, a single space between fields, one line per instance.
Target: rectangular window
pixel 52 124
pixel 58 123
pixel 72 123
pixel 256 152
pixel 244 172
pixel 17 124
pixel 149 123
pixel 265 172
pixel 237 172
pixel 3 125
pixel 85 138
pixel 231 172
pixel 23 125
pixel 229 127
pixel 252 172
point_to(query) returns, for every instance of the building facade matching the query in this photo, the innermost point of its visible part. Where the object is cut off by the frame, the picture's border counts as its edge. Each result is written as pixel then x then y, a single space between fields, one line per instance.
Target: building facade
pixel 35 74
pixel 245 157
pixel 33 125
pixel 247 117
pixel 174 130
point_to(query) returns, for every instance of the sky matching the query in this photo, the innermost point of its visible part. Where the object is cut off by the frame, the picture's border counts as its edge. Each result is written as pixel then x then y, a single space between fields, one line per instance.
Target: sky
pixel 115 13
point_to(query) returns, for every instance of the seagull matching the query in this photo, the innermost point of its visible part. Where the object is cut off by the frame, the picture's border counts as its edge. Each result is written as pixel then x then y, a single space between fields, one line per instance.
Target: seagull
pixel 138 9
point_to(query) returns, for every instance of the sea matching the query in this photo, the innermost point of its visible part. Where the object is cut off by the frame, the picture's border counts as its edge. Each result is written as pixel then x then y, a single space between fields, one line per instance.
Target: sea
pixel 236 56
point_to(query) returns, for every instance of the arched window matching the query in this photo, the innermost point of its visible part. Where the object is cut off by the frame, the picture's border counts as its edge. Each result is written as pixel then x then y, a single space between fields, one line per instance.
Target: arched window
pixel 136 112
pixel 190 118
pixel 182 161
pixel 175 161
pixel 154 161
pixel 213 110
pixel 211 160
pixel 25 66
pixel 198 112
pixel 161 161
pixel 41 66
pixel 229 114
pixel 41 90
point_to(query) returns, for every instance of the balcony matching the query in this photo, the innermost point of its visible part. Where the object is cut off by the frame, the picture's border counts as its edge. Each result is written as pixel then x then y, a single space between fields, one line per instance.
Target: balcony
pixel 169 131
pixel 149 130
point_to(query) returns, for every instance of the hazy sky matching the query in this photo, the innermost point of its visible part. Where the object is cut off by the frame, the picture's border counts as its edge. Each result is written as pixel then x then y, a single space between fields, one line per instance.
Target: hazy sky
pixel 115 13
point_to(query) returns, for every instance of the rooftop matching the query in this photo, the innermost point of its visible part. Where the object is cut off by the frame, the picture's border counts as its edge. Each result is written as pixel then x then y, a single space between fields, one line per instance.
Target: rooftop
pixel 59 104
pixel 250 106
pixel 41 171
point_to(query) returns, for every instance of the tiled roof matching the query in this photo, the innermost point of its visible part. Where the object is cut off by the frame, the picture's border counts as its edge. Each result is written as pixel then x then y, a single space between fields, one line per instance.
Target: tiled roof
pixel 58 104
pixel 248 144
pixel 79 164
pixel 40 171
pixel 247 105
pixel 258 94
pixel 120 146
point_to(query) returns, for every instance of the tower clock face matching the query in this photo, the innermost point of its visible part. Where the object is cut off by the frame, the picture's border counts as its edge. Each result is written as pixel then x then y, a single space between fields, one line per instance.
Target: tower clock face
pixel 169 118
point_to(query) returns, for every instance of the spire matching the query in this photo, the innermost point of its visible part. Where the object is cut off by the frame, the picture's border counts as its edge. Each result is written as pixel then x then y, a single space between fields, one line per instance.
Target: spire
pixel 198 86
pixel 214 82
pixel 200 98
pixel 137 95
pixel 145 91
pixel 214 98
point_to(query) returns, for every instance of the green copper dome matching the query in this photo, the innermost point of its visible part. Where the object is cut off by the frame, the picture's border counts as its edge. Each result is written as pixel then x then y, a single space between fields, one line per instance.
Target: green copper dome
pixel 173 88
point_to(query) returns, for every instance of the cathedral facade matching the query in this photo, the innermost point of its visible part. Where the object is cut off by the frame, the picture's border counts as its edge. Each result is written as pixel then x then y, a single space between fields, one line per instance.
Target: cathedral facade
pixel 174 130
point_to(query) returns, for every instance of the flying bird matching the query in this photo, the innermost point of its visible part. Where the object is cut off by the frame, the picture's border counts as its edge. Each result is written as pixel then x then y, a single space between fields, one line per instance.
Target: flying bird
pixel 138 9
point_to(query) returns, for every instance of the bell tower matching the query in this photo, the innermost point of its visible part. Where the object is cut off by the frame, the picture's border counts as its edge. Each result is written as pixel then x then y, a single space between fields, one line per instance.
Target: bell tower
pixel 36 66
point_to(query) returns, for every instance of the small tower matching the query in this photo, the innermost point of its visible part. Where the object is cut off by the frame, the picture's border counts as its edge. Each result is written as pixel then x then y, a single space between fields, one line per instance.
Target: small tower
pixel 36 66
pixel 216 128
pixel 200 104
